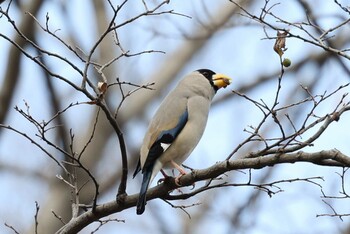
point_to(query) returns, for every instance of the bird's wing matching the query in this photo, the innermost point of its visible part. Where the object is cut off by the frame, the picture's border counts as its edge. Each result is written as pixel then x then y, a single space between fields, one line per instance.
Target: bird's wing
pixel 165 133
pixel 166 125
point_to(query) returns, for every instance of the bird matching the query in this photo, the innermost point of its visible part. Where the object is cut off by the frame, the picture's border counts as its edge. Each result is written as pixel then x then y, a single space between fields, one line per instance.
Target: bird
pixel 177 127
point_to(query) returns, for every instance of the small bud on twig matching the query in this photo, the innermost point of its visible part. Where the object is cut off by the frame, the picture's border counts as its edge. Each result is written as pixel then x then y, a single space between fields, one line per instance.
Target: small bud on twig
pixel 102 87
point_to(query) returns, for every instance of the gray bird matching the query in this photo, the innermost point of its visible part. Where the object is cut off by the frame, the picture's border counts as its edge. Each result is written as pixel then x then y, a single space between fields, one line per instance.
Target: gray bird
pixel 177 127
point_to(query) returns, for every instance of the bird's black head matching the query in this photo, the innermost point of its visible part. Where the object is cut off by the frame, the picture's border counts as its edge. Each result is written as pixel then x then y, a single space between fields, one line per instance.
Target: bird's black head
pixel 207 73
pixel 216 80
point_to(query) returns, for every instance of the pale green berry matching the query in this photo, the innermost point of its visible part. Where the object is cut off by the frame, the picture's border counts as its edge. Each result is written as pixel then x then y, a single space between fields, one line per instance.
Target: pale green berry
pixel 286 62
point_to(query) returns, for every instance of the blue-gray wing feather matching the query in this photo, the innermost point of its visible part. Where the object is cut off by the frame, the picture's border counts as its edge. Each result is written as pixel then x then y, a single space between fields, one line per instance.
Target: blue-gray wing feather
pixel 165 137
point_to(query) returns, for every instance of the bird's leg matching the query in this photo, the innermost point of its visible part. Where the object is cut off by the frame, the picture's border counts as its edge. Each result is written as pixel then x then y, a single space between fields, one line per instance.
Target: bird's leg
pixel 181 171
pixel 163 173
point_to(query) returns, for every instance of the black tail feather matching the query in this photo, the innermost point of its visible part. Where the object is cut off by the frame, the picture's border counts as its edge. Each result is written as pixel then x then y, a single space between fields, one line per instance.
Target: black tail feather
pixel 137 169
pixel 141 203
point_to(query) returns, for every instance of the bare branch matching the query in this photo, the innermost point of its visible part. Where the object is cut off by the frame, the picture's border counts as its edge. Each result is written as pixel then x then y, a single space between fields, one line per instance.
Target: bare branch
pixel 36 217
pixel 36 144
pixel 335 213
pixel 12 228
pixel 316 41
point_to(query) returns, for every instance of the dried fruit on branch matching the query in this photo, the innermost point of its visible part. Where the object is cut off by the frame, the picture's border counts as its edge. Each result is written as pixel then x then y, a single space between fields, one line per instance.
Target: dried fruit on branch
pixel 280 44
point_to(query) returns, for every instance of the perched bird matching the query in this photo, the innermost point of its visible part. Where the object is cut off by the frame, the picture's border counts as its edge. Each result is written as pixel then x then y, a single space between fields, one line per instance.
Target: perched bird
pixel 177 127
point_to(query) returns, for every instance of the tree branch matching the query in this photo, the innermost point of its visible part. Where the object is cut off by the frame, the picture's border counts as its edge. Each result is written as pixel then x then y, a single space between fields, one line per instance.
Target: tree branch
pixel 324 158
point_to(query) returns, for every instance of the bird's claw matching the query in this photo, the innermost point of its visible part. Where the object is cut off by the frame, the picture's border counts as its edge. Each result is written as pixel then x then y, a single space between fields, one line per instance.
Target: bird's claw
pixel 177 180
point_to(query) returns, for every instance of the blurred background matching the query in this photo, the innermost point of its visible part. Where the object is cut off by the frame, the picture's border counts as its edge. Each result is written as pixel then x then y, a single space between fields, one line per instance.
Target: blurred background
pixel 189 35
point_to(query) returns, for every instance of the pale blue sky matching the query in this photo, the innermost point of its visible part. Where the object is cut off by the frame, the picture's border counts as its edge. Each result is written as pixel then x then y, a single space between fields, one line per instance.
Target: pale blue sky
pixel 239 53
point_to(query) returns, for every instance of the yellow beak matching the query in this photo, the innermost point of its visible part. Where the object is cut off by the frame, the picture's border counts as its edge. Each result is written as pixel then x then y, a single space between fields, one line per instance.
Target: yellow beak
pixel 221 80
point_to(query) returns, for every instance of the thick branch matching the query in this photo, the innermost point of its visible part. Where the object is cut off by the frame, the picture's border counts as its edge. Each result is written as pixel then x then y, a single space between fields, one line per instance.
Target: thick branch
pixel 326 158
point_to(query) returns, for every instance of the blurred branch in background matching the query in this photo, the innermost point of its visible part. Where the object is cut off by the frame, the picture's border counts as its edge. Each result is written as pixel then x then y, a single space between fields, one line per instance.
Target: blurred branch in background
pixel 89 153
pixel 13 67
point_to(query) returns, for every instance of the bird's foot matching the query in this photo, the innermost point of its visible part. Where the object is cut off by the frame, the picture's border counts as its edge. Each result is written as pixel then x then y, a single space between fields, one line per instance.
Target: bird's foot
pixel 181 171
pixel 177 178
